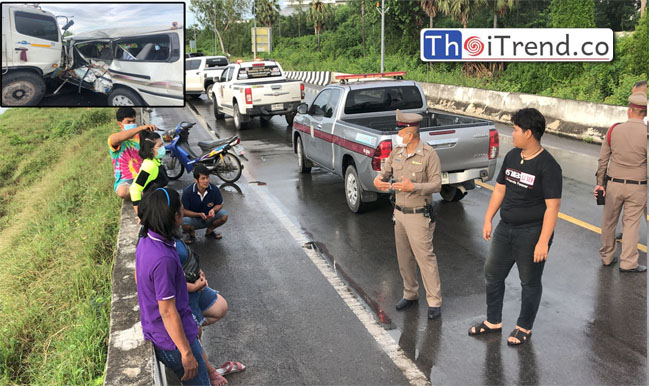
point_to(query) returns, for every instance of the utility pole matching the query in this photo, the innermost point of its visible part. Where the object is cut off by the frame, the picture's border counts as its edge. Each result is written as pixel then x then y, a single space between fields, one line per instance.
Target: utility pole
pixel 254 33
pixel 382 12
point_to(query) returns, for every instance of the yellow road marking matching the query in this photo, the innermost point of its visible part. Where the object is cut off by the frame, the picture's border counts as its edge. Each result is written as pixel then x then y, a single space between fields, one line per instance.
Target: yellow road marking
pixel 571 219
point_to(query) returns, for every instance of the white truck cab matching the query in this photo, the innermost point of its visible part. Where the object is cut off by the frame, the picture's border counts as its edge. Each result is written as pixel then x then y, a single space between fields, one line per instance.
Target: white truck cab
pixel 31 49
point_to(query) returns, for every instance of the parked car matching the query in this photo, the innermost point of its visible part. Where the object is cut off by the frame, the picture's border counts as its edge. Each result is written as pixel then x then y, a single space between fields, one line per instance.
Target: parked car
pixel 194 54
pixel 256 89
pixel 200 74
pixel 350 129
pixel 133 66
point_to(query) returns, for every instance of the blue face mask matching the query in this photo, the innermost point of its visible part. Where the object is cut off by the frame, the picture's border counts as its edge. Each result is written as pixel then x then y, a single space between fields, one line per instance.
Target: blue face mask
pixel 161 152
pixel 130 126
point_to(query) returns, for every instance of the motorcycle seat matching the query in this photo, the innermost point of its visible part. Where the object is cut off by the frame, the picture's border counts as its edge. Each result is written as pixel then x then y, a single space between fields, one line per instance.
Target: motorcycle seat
pixel 205 145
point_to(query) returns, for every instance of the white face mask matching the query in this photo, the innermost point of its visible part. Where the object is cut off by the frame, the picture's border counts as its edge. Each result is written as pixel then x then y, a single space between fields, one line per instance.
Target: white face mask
pixel 400 142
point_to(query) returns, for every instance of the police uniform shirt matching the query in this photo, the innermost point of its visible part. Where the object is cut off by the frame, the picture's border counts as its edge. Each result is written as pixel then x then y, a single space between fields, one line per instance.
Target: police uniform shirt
pixel 528 185
pixel 422 168
pixel 626 156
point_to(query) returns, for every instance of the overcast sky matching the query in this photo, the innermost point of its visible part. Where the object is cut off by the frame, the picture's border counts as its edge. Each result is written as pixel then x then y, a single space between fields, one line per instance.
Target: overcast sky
pixel 90 17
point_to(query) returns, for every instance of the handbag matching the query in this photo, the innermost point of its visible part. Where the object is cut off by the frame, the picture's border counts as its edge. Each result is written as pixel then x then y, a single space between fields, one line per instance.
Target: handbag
pixel 191 268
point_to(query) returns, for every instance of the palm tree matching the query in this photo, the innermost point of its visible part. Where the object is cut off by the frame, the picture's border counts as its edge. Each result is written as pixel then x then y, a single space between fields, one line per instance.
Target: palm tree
pixel 501 7
pixel 267 11
pixel 319 14
pixel 461 10
pixel 431 8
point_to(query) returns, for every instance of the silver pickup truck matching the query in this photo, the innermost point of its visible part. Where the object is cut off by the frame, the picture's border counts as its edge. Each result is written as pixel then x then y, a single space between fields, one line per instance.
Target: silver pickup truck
pixel 350 129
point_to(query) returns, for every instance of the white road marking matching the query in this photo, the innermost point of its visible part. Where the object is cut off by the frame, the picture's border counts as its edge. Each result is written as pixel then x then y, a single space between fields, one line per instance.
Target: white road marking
pixel 382 337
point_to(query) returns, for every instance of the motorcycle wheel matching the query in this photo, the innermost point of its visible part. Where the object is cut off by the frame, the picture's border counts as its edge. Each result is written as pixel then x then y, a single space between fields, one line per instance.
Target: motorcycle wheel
pixel 173 166
pixel 228 168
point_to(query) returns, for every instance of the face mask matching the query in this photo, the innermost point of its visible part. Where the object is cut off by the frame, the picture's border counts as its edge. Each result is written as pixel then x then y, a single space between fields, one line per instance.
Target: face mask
pixel 161 152
pixel 130 126
pixel 400 142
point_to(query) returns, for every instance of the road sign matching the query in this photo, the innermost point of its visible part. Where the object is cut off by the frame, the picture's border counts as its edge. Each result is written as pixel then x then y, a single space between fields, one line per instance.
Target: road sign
pixel 192 45
pixel 264 39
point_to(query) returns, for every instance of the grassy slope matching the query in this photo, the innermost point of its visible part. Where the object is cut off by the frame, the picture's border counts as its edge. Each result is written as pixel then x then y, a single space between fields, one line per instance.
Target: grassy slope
pixel 59 221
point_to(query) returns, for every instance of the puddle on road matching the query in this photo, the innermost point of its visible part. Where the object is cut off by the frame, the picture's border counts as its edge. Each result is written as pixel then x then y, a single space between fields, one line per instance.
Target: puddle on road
pixel 381 317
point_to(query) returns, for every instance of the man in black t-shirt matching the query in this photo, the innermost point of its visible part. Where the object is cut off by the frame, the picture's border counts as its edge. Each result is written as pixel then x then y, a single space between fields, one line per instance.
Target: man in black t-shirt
pixel 528 194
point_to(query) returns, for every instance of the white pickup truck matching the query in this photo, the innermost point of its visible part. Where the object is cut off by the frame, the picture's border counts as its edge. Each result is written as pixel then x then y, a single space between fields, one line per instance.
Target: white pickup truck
pixel 200 73
pixel 249 89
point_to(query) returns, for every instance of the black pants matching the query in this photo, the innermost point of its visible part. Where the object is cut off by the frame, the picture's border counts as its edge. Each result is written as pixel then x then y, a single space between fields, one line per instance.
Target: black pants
pixel 514 244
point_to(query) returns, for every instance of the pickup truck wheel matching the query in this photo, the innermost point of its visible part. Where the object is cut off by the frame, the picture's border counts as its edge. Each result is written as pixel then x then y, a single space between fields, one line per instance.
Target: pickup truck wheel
pixel 289 118
pixel 22 89
pixel 124 97
pixel 217 113
pixel 208 91
pixel 353 190
pixel 451 193
pixel 239 118
pixel 303 164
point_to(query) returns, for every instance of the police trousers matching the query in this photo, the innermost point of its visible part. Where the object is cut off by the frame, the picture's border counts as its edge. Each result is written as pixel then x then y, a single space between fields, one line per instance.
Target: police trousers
pixel 633 199
pixel 413 235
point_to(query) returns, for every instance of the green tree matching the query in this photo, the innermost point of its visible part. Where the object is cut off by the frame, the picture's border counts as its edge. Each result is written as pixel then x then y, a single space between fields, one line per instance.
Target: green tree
pixel 266 12
pixel 320 15
pixel 500 8
pixel 431 8
pixel 461 10
pixel 218 15
pixel 572 13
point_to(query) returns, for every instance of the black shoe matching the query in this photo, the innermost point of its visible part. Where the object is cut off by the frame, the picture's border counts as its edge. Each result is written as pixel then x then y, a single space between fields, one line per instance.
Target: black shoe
pixel 618 236
pixel 639 268
pixel 434 312
pixel 404 303
pixel 615 260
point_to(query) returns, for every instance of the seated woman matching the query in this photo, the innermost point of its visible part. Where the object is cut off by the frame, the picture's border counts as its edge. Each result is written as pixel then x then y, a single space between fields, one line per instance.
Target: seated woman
pixel 152 173
pixel 167 320
pixel 207 307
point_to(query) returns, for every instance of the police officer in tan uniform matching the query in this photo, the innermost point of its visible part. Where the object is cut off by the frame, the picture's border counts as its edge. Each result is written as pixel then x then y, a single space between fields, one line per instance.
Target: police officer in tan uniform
pixel 624 163
pixel 417 175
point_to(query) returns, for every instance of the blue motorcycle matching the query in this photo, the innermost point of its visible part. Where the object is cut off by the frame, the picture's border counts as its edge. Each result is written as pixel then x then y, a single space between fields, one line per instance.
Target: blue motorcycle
pixel 220 157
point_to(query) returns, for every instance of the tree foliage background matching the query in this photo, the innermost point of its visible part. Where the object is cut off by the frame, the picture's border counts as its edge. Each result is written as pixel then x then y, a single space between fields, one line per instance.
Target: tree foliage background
pixel 295 42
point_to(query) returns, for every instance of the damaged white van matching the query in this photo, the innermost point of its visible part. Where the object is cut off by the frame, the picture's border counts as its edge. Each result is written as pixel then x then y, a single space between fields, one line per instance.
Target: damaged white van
pixel 133 66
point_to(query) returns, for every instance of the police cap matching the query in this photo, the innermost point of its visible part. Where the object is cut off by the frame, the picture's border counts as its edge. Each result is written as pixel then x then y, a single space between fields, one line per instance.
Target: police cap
pixel 638 100
pixel 410 119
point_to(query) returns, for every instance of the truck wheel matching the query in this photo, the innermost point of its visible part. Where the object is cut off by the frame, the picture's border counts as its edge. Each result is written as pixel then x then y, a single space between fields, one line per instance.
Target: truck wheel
pixel 303 163
pixel 209 93
pixel 353 190
pixel 451 193
pixel 22 89
pixel 217 113
pixel 289 118
pixel 239 118
pixel 124 97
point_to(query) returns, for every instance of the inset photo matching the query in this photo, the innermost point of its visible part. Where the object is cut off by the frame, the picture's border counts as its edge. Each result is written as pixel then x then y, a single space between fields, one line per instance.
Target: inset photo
pixel 92 54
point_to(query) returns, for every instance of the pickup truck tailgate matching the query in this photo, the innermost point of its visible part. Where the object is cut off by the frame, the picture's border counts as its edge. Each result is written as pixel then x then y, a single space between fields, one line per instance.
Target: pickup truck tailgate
pixel 460 145
pixel 275 93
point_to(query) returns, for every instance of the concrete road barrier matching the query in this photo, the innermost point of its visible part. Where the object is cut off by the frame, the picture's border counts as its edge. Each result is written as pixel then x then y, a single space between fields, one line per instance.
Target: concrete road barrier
pixel 586 121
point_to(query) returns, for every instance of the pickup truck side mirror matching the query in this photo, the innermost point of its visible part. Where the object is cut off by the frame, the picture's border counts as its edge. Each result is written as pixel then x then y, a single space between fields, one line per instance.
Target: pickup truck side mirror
pixel 302 108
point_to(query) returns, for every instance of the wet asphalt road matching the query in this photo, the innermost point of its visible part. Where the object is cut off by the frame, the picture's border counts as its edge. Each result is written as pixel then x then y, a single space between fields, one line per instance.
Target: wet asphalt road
pixel 591 327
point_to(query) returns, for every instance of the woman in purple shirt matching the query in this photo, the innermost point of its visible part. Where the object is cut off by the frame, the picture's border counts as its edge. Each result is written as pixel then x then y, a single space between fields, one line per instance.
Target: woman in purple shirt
pixel 167 320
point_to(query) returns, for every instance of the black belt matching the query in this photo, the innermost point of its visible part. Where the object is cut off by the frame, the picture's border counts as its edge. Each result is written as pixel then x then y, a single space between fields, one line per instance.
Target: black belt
pixel 410 210
pixel 621 181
